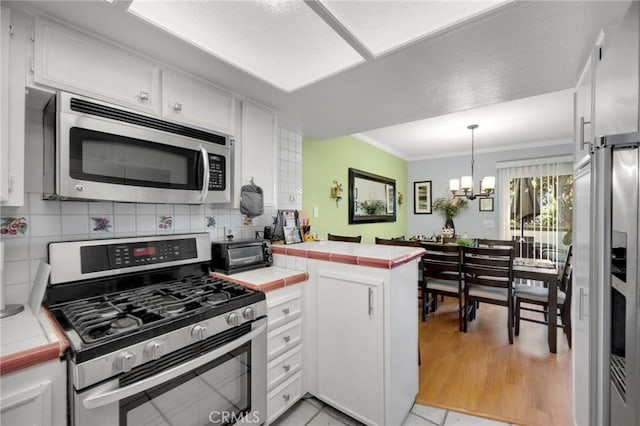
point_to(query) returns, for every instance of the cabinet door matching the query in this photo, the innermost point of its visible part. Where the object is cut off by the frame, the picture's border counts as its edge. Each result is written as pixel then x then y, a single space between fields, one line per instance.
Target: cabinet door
pixel 197 103
pixel 5 18
pixel 69 60
pixel 259 147
pixel 582 113
pixel 30 406
pixel 350 344
pixel 13 41
pixel 617 76
pixel 582 370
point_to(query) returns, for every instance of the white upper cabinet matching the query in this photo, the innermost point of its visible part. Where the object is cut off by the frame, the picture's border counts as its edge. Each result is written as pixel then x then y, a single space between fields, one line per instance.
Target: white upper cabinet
pixel 582 113
pixel 617 76
pixel 13 47
pixel 259 147
pixel 197 103
pixel 72 61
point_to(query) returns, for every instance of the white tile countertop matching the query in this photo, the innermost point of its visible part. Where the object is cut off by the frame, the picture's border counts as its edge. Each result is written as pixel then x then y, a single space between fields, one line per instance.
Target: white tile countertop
pixel 27 340
pixel 374 255
pixel 265 279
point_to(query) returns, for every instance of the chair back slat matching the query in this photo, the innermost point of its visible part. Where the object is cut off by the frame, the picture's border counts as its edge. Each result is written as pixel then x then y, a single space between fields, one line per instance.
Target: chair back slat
pixel 396 242
pixel 343 238
pixel 442 262
pixel 487 281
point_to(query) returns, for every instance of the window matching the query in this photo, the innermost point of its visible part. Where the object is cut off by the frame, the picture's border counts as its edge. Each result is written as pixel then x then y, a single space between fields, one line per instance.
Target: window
pixel 536 206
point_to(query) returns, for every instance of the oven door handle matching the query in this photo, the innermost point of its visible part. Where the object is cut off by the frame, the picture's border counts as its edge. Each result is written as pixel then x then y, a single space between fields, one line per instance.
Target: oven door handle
pixel 100 399
pixel 205 175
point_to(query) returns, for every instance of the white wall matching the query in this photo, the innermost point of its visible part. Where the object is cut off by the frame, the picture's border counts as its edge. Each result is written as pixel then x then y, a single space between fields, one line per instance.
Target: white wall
pixel 49 221
pixel 440 170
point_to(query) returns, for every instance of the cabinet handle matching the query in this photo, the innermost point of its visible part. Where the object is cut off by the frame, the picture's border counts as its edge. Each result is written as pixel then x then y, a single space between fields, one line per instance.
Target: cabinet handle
pixel 144 96
pixel 286 397
pixel 370 301
pixel 177 106
pixel 286 311
pixel 581 296
pixel 286 368
pixel 582 141
pixel 287 339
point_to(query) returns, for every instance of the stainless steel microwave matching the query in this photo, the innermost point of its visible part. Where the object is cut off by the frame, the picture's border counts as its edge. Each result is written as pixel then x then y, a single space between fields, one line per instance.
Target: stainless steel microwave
pixel 97 151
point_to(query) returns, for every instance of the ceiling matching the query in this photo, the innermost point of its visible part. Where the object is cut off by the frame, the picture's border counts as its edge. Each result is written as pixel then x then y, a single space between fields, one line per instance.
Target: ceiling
pixel 516 51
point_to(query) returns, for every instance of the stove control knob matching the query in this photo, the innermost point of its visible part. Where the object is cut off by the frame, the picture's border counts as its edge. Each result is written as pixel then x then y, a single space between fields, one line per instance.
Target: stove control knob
pixel 233 319
pixel 198 332
pixel 124 361
pixel 153 350
pixel 249 313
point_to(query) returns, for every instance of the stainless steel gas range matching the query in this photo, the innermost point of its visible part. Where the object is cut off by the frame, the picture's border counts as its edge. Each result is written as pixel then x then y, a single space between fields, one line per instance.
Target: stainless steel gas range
pixel 153 338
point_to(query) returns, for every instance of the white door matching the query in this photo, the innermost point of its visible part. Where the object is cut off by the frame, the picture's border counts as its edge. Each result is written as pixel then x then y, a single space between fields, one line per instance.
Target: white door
pixel 350 344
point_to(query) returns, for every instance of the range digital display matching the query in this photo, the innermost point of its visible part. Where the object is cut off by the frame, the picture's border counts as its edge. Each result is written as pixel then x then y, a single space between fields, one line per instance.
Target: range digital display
pixel 144 251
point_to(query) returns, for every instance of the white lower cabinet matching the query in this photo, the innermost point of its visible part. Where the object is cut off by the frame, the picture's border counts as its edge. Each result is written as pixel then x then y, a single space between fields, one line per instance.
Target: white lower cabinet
pixel 34 396
pixel 362 345
pixel 285 383
pixel 283 397
pixel 350 331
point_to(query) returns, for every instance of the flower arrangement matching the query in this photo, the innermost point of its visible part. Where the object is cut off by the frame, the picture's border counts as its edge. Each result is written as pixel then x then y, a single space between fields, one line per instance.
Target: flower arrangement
pixel 373 207
pixel 450 207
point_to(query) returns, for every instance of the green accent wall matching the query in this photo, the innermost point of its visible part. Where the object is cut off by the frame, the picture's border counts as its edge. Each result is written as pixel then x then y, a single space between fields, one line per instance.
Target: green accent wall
pixel 328 160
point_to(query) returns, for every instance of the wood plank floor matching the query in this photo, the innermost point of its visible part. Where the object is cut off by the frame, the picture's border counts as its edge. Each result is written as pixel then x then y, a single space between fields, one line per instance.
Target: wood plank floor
pixel 480 373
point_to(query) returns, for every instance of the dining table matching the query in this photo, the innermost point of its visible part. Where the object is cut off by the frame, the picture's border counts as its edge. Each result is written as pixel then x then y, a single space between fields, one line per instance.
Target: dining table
pixel 546 271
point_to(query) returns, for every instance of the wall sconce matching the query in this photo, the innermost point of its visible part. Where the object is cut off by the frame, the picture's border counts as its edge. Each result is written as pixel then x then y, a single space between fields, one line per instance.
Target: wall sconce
pixel 336 191
pixel 400 198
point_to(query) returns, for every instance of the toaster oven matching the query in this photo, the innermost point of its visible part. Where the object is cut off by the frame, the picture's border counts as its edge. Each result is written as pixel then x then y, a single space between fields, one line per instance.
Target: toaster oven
pixel 240 255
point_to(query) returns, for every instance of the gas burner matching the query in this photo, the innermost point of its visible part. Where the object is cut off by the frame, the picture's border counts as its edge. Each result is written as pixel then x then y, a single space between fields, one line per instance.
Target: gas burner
pixel 217 298
pixel 123 324
pixel 174 310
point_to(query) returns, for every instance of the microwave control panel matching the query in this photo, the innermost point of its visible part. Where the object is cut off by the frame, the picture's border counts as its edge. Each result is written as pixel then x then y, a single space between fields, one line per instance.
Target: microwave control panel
pixel 217 173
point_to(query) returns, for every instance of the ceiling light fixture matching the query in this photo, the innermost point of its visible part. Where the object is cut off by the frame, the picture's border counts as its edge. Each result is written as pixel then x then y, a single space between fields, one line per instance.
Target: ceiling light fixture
pixel 465 183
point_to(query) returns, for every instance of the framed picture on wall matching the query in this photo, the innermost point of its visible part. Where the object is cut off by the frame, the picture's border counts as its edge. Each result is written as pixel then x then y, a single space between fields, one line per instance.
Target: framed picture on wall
pixel 390 199
pixel 485 204
pixel 422 197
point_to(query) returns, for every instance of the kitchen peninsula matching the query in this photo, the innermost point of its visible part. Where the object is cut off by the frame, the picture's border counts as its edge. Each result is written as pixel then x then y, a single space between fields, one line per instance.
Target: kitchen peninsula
pixel 361 326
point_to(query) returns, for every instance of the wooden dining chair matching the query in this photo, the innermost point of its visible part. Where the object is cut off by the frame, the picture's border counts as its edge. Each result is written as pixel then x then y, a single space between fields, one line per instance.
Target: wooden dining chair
pixel 488 277
pixel 332 237
pixel 534 295
pixel 442 275
pixel 421 293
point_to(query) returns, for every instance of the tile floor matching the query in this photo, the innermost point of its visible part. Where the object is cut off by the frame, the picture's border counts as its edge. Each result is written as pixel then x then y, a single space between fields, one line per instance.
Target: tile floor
pixel 310 411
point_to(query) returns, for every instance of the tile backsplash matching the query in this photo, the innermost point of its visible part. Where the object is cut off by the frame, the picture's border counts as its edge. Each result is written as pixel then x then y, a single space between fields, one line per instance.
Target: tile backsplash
pixel 26 231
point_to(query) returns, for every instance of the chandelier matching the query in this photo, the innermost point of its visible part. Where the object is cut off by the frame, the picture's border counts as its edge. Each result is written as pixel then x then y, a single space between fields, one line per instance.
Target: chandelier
pixel 463 187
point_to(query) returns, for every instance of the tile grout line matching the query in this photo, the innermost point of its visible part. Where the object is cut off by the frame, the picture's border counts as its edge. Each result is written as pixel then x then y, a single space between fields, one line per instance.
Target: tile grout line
pixel 314 416
pixel 423 418
pixel 444 419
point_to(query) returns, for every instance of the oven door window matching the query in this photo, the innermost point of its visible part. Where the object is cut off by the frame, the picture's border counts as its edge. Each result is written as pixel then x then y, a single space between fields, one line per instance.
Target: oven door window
pixel 103 157
pixel 216 393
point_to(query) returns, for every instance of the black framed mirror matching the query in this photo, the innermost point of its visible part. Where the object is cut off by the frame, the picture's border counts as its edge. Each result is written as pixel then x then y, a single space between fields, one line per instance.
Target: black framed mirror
pixel 372 198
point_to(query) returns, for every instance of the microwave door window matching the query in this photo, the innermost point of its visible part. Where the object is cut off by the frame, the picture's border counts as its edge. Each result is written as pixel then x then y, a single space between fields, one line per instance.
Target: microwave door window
pixel 101 157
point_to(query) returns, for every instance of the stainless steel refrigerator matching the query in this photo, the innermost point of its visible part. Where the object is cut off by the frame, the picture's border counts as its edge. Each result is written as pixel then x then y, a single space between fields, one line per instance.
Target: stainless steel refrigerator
pixel 622 318
pixel 613 254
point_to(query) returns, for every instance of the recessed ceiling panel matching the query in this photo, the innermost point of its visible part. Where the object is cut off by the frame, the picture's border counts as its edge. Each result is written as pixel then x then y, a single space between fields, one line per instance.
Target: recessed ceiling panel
pixel 280 41
pixel 383 26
